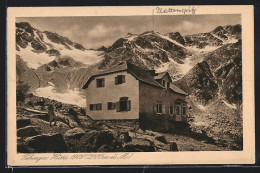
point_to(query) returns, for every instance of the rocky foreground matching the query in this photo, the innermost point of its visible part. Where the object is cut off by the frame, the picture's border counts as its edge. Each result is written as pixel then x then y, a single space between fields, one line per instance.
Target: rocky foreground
pixel 76 132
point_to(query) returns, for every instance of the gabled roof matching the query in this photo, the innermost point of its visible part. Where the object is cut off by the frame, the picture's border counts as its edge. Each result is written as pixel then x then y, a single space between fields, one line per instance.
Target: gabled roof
pixel 177 90
pixel 161 75
pixel 138 72
pixel 142 75
pixel 121 66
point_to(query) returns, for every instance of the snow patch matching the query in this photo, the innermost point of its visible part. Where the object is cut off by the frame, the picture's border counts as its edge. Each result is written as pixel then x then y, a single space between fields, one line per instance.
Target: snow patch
pixel 51 84
pixel 33 59
pixel 55 45
pixel 203 50
pixel 200 123
pixel 163 67
pixel 74 97
pixel 201 107
pixel 185 68
pixel 232 40
pixel 131 37
pixel 223 40
pixel 87 57
pixel 142 49
pixel 232 106
pixel 171 40
pixel 229 40
pixel 182 69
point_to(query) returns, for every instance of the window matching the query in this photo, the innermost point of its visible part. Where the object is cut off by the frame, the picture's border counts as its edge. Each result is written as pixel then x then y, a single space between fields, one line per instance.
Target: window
pixel 100 82
pixel 171 109
pixel 159 108
pixel 110 106
pixel 178 111
pixel 123 105
pixel 120 79
pixel 91 107
pixel 184 110
pixel 163 83
pixel 168 85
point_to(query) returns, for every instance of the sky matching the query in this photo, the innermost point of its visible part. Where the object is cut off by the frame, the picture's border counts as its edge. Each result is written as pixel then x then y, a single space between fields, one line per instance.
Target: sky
pixel 97 31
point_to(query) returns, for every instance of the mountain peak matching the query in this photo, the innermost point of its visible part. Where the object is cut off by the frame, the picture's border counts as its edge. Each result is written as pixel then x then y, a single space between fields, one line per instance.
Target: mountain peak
pixel 147 33
pixel 217 29
pixel 177 36
pixel 23 25
pixel 175 33
pixel 129 34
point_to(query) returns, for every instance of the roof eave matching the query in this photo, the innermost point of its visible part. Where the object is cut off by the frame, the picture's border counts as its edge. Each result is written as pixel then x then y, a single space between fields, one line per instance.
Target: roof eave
pixel 143 80
pixel 96 75
pixel 164 75
pixel 184 93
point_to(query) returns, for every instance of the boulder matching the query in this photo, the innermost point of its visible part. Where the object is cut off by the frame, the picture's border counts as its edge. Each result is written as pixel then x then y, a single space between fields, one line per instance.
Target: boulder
pixel 27 131
pixel 141 136
pixel 106 148
pixel 83 111
pixel 23 148
pixel 124 136
pixel 161 139
pixel 22 122
pixel 152 133
pixel 161 146
pixel 116 145
pixel 93 140
pixel 139 145
pixel 48 143
pixel 75 133
pixel 72 112
pixel 173 146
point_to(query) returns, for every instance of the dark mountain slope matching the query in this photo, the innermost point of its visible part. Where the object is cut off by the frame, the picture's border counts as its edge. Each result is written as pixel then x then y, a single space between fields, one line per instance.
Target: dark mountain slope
pixel 26 34
pixel 26 74
pixel 218 75
pixel 147 50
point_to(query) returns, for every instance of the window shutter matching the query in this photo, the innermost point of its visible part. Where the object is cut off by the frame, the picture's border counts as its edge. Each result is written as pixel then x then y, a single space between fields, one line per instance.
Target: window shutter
pixel 123 78
pixel 116 80
pixel 103 82
pixel 128 106
pixel 113 105
pixel 154 108
pixel 94 107
pixel 163 109
pixel 118 106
